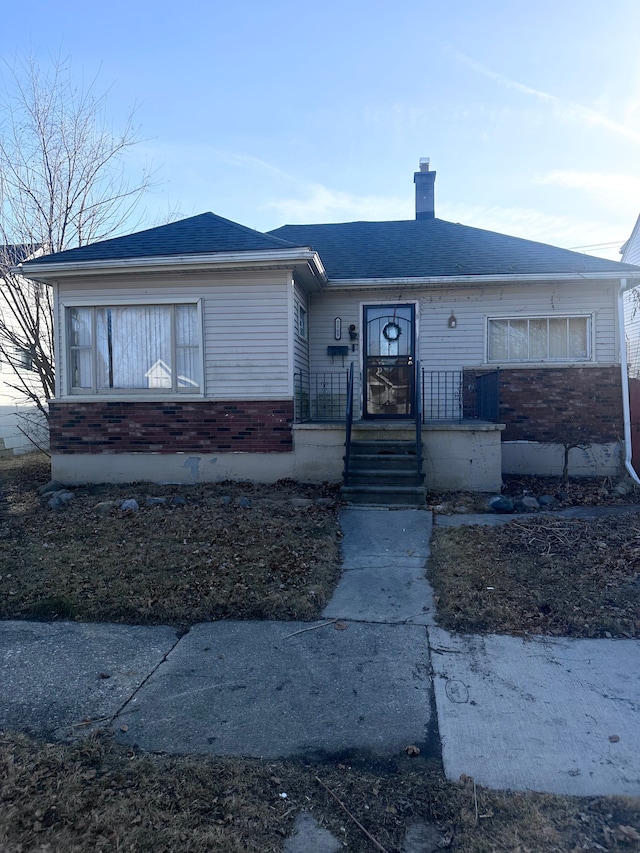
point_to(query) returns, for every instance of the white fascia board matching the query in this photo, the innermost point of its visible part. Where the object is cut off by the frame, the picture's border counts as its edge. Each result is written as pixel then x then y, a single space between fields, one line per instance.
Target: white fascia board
pixel 471 280
pixel 272 257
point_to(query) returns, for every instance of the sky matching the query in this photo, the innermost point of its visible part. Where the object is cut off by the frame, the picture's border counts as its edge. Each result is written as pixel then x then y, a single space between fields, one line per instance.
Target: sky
pixel 279 112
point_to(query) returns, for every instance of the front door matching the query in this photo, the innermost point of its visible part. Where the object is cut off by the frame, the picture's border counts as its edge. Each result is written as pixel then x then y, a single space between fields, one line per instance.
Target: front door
pixel 389 361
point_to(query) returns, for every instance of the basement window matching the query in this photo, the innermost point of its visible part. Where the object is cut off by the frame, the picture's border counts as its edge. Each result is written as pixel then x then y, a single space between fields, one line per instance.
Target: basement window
pixel 134 348
pixel 548 339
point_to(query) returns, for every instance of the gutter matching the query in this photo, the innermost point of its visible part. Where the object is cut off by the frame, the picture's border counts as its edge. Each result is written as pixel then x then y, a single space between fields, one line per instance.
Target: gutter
pixel 624 381
pixel 471 280
pixel 269 257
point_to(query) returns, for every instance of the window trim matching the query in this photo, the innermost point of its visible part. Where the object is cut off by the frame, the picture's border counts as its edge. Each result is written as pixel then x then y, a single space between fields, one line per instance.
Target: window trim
pixel 67 304
pixel 302 317
pixel 21 359
pixel 589 358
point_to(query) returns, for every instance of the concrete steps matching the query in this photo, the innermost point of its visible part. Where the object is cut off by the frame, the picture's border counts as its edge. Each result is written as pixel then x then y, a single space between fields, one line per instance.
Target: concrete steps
pixel 384 472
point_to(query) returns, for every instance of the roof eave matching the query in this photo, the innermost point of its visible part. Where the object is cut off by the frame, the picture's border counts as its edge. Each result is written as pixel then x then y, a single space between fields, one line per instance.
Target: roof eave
pixel 49 272
pixel 471 280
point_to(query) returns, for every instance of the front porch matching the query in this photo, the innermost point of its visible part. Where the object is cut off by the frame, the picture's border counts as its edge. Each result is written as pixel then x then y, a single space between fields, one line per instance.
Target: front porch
pixel 453 421
pixel 463 456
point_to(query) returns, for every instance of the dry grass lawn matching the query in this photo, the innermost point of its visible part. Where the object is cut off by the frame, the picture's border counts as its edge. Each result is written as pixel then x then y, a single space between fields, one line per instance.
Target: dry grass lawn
pixel 533 575
pixel 96 796
pixel 165 564
pixel 210 559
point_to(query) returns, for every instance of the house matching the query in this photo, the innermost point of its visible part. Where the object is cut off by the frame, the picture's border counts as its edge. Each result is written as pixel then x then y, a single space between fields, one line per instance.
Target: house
pixel 630 252
pixel 20 421
pixel 631 255
pixel 205 350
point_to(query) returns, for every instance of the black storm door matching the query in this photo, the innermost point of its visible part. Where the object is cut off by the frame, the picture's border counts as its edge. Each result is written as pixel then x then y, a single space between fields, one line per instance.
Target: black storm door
pixel 389 361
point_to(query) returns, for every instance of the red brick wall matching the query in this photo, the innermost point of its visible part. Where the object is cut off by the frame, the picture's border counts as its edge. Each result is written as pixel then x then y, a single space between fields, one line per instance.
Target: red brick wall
pixel 200 426
pixel 559 404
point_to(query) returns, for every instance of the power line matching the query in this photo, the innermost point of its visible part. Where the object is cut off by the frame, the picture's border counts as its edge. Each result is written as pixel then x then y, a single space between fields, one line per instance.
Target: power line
pixel 616 243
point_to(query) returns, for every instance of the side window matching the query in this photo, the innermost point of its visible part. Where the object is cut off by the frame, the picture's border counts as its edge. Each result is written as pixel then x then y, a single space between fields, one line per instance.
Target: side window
pixel 22 359
pixel 302 322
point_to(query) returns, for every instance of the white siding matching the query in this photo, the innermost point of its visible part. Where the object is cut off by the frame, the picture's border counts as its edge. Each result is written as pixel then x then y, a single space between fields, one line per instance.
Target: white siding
pixel 324 307
pixel 632 330
pixel 440 347
pixel 246 325
pixel 300 343
pixel 631 249
pixel 631 255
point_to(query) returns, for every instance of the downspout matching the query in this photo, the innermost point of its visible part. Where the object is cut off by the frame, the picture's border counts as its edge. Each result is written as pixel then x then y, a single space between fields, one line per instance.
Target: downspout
pixel 624 380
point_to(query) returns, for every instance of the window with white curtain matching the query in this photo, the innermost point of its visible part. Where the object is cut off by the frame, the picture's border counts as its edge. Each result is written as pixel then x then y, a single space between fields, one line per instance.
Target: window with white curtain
pixel 134 348
pixel 539 339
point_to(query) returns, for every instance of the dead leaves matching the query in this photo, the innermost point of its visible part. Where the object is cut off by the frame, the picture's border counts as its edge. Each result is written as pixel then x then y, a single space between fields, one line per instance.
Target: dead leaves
pixel 164 567
pixel 540 576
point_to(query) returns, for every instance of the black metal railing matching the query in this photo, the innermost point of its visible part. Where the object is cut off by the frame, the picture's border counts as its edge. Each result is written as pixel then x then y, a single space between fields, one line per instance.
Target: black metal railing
pixel 441 395
pixel 438 395
pixel 417 408
pixel 348 425
pixel 320 396
pixel 457 395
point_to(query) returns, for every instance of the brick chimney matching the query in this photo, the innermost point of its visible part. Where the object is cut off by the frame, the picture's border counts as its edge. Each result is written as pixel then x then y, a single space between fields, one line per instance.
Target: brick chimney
pixel 425 191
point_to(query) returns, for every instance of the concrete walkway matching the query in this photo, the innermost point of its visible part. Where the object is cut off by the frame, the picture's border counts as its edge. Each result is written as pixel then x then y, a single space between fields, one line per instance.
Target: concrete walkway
pixel 260 689
pixel 542 714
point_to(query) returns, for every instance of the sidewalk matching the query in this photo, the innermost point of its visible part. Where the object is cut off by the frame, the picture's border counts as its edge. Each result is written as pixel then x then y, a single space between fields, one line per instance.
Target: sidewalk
pixel 257 689
pixel 543 714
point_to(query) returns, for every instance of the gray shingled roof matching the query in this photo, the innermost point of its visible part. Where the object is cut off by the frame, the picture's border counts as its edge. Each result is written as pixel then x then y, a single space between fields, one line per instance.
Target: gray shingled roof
pixel 202 234
pixel 14 253
pixel 434 247
pixel 355 250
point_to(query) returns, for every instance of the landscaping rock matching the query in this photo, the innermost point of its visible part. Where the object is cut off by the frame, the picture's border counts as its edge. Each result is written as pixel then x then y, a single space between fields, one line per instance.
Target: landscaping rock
pixel 155 502
pixel 623 488
pixel 130 505
pixel 60 499
pixel 178 500
pixel 500 503
pixel 548 501
pixel 105 507
pixel 243 502
pixel 225 500
pixel 51 486
pixel 527 504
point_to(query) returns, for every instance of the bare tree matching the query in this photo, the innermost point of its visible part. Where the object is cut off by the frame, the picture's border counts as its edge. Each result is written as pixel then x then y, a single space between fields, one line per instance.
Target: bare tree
pixel 63 183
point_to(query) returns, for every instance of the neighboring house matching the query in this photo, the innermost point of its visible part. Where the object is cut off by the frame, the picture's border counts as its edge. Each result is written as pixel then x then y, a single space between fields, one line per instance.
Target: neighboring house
pixel 204 350
pixel 631 255
pixel 18 417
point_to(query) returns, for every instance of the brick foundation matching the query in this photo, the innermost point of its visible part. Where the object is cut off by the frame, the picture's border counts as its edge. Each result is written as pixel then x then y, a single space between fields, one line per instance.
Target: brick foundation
pixel 555 405
pixel 201 426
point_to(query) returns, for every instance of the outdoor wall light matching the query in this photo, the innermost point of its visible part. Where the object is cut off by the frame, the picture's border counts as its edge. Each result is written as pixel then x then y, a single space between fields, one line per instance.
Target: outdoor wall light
pixel 452 322
pixel 353 336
